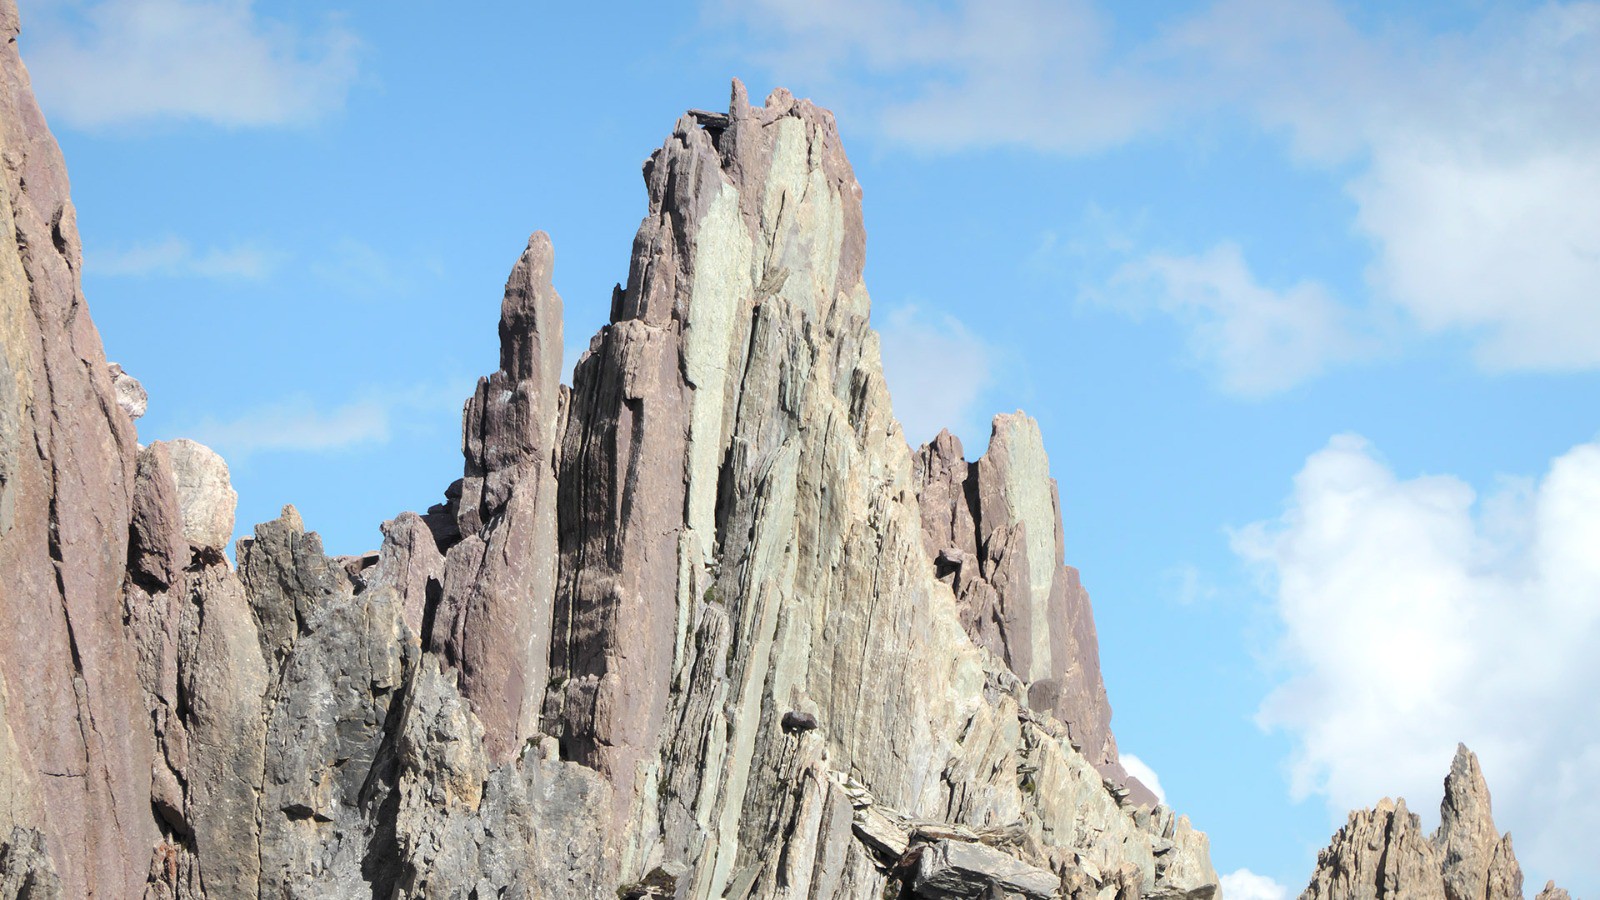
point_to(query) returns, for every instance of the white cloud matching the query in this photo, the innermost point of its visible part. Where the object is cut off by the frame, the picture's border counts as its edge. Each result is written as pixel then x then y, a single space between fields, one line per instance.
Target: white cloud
pixel 936 369
pixel 1506 249
pixel 117 62
pixel 963 74
pixel 358 269
pixel 1139 769
pixel 1243 884
pixel 296 426
pixel 1415 616
pixel 1255 339
pixel 174 257
pixel 300 425
pixel 1471 156
pixel 1477 153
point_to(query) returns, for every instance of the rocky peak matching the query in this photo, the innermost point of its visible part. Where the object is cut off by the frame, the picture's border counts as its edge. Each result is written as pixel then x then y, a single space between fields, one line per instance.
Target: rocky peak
pixel 1381 853
pixel 1477 861
pixel 702 626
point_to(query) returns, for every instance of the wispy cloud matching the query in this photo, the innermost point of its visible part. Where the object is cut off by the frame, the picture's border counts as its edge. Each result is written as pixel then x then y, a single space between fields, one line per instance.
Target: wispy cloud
pixel 1254 339
pixel 118 62
pixel 1414 616
pixel 173 257
pixel 358 269
pixel 1472 155
pixel 1477 154
pixel 964 74
pixel 937 369
pixel 300 424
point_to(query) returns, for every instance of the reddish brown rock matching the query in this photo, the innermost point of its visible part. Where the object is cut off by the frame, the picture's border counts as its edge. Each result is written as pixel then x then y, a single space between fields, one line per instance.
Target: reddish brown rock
pixel 71 695
pixel 493 620
pixel 410 557
pixel 158 551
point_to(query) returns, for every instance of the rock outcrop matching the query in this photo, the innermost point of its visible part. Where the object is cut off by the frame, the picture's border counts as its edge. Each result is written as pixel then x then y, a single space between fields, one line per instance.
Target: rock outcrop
pixel 1383 853
pixel 700 626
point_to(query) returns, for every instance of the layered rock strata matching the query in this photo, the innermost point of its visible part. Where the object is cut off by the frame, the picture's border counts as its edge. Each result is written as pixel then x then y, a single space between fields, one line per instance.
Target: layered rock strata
pixel 993 529
pixel 1383 853
pixel 700 626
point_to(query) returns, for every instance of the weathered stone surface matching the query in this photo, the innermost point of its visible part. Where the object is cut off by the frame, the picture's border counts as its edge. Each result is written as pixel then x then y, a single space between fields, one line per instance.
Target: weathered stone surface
pixel 206 498
pixel 993 529
pixel 410 560
pixel 224 680
pixel 288 581
pixel 130 394
pixel 26 872
pixel 1551 892
pixel 329 729
pixel 1476 862
pixel 955 870
pixel 1381 852
pixel 158 551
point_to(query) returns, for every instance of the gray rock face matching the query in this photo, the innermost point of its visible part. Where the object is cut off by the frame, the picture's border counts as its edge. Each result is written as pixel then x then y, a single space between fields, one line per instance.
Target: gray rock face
pixel 26 872
pixel 645 648
pixel 1382 853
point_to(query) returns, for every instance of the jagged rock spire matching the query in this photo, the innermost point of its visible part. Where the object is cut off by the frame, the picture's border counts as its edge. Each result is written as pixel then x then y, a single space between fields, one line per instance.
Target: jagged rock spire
pixel 498 583
pixel 1477 861
pixel 1381 853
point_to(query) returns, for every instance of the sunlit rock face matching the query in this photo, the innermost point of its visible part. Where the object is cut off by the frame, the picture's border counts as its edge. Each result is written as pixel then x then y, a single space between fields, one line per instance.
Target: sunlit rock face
pixel 700 625
pixel 1382 852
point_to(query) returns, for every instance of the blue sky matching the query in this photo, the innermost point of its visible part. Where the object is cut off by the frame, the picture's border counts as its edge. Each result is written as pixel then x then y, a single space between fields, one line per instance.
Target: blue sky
pixel 1306 298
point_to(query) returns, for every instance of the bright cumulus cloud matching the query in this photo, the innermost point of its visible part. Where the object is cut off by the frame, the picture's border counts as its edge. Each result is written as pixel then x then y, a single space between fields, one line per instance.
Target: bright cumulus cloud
pixel 1480 150
pixel 118 62
pixel 1243 884
pixel 1416 614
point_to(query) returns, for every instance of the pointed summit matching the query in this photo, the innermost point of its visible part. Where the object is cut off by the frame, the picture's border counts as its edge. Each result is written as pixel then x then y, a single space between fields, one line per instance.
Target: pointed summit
pixel 1382 855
